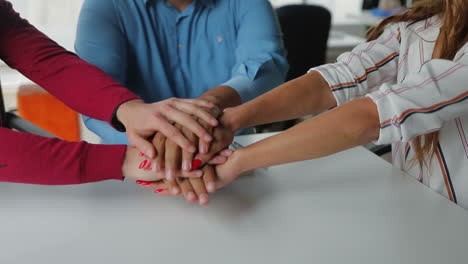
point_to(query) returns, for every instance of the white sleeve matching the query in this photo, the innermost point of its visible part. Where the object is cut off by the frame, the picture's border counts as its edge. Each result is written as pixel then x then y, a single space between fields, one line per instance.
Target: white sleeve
pixel 367 66
pixel 425 100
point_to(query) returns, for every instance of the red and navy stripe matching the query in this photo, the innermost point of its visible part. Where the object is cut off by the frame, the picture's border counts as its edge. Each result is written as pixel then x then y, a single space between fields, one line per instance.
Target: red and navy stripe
pixel 364 77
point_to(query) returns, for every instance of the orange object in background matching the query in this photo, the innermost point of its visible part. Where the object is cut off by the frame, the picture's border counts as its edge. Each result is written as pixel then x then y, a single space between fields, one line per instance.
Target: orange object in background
pixel 47 112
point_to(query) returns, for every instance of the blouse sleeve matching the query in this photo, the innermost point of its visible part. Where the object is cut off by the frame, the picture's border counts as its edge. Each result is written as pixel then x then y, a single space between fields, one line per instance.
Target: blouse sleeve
pixel 425 100
pixel 78 84
pixel 367 66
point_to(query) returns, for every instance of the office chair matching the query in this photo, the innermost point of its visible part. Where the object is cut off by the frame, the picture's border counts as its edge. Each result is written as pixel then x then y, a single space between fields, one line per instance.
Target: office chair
pixel 305 35
pixel 12 121
pixel 305 32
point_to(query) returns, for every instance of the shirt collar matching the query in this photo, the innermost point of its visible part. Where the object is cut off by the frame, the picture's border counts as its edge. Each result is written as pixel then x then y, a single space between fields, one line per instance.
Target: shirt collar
pixel 207 3
pixel 429 29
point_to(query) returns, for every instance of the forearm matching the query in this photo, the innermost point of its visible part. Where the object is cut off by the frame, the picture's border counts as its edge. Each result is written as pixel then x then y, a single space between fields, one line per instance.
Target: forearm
pixel 344 127
pixel 305 95
pixel 26 158
pixel 73 81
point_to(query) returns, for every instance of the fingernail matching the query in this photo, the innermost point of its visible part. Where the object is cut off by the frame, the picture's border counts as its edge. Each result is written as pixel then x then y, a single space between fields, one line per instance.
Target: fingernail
pixel 204 199
pixel 170 175
pixel 159 191
pixel 208 138
pixel 190 196
pixel 186 165
pixel 149 167
pixel 144 183
pixel 227 152
pixel 214 122
pixel 175 190
pixel 220 159
pixel 143 164
pixel 204 148
pixel 211 187
pixel 141 154
pixel 196 164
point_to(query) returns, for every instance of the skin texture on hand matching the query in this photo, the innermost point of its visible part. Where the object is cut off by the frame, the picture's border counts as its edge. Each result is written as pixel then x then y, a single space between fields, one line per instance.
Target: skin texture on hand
pixel 194 189
pixel 143 120
pixel 137 167
pixel 176 161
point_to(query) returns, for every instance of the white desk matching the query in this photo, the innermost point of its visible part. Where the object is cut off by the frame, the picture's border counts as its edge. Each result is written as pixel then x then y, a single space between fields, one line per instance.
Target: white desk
pixel 343 40
pixel 348 208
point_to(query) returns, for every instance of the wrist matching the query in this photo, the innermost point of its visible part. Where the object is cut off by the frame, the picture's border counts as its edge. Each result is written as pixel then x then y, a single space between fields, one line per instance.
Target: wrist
pixel 222 96
pixel 127 160
pixel 235 118
pixel 240 163
pixel 124 112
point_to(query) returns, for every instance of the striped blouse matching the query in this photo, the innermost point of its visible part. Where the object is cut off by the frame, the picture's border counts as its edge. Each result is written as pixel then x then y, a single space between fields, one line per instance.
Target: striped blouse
pixel 415 95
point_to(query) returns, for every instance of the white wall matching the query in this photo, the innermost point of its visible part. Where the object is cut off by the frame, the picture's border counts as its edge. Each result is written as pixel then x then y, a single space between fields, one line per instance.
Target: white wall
pixel 49 11
pixel 67 11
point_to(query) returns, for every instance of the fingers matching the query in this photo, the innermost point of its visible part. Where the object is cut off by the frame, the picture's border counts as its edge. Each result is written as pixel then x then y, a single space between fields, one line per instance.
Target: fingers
pixel 200 190
pixel 222 157
pixel 201 103
pixel 187 190
pixel 174 134
pixel 187 157
pixel 158 186
pixel 204 145
pixel 159 142
pixel 227 153
pixel 180 117
pixel 172 157
pixel 173 187
pixel 223 137
pixel 209 178
pixel 218 160
pixel 196 111
pixel 142 144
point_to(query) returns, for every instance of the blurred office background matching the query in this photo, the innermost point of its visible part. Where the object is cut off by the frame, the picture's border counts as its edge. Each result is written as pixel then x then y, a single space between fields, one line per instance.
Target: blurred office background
pixel 349 21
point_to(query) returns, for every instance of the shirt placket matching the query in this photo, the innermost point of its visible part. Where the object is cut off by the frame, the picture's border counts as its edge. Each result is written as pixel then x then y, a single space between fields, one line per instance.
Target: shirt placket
pixel 181 48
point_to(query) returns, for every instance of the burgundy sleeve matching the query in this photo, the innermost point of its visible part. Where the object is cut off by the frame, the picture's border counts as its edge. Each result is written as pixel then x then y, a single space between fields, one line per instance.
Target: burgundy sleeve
pixel 27 158
pixel 77 83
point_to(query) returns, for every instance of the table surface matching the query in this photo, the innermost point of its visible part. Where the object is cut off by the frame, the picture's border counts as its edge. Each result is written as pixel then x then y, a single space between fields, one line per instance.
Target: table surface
pixel 348 208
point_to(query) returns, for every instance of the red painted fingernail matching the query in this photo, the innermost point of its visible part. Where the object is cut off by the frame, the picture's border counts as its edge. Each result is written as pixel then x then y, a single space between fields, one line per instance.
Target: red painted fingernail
pixel 143 182
pixel 143 164
pixel 159 191
pixel 196 164
pixel 141 154
pixel 149 167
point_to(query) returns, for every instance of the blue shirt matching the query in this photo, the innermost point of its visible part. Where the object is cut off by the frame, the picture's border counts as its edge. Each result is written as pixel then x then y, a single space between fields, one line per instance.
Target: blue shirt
pixel 159 52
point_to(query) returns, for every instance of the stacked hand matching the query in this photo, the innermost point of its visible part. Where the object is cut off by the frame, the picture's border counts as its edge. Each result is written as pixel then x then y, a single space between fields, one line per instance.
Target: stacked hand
pixel 178 164
pixel 180 144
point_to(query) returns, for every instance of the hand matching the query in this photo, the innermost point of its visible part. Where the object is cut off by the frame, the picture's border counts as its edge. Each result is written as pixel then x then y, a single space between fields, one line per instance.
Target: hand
pixel 193 189
pixel 223 136
pixel 229 171
pixel 136 166
pixel 197 189
pixel 143 120
pixel 173 159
